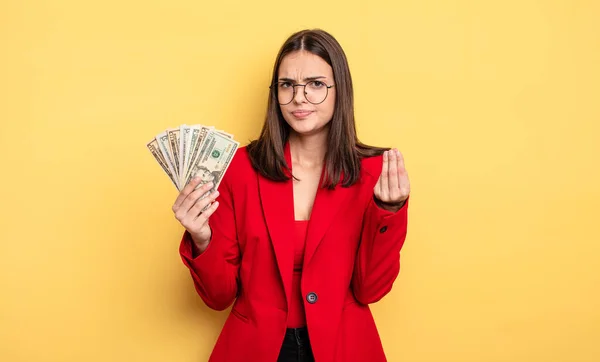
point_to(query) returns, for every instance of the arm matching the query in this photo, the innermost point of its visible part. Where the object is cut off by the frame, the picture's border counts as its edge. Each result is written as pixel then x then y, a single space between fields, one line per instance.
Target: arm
pixel 215 270
pixel 383 232
pixel 377 261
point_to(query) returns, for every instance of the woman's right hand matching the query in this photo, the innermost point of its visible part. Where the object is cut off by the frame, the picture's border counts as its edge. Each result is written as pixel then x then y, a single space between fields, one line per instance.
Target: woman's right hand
pixel 188 211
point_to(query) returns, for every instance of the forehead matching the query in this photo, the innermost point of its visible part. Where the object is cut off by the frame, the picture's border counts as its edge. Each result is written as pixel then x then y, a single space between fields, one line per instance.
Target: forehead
pixel 301 64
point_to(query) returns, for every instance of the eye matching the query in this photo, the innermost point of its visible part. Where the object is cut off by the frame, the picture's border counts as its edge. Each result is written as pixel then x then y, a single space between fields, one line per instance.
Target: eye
pixel 317 84
pixel 284 85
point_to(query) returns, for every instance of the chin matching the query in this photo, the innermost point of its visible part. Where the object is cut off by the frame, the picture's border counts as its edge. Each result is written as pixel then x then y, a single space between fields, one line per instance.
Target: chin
pixel 306 126
pixel 307 129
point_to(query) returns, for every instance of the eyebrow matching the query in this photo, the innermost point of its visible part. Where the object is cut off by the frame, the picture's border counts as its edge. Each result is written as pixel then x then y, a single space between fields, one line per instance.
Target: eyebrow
pixel 308 79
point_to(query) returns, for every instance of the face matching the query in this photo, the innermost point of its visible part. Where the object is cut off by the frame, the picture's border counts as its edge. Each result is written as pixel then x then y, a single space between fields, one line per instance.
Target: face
pixel 206 175
pixel 301 67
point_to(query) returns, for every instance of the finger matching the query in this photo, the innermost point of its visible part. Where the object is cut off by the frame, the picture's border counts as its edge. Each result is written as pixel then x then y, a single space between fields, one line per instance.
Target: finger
pixel 201 204
pixel 205 216
pixel 404 186
pixel 393 175
pixel 198 194
pixel 185 192
pixel 384 177
pixel 400 161
pixel 198 207
pixel 192 198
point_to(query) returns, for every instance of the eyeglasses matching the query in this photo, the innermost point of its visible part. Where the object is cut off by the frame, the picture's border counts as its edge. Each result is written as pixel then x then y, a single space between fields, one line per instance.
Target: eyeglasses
pixel 315 91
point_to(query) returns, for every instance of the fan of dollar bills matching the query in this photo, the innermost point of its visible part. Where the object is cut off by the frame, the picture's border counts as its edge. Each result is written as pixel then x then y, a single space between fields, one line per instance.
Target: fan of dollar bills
pixel 196 150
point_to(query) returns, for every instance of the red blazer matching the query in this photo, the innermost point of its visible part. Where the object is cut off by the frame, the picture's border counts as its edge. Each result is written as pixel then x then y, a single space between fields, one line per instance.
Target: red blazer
pixel 352 258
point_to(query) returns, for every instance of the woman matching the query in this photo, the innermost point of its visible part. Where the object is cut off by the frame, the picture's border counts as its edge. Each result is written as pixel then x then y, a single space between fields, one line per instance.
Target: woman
pixel 306 227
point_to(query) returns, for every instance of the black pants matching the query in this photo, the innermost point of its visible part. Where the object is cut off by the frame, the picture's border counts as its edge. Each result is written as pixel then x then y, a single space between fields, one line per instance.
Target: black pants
pixel 296 346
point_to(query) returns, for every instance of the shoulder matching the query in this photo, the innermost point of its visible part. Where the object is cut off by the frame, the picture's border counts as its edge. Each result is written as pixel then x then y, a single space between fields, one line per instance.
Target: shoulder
pixel 239 166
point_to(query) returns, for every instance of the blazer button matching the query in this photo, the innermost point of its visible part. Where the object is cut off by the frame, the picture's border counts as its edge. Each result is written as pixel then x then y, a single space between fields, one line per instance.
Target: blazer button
pixel 383 229
pixel 311 297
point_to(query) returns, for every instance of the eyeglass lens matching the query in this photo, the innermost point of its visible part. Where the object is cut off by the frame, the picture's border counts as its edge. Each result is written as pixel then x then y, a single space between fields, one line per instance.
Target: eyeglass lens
pixel 314 91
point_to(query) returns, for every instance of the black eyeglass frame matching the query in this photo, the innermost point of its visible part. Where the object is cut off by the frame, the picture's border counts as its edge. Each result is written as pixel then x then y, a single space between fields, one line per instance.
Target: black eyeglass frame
pixel 274 85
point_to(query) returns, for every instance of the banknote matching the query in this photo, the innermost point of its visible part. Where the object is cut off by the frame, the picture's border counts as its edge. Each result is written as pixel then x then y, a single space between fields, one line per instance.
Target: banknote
pixel 173 136
pixel 163 145
pixel 184 131
pixel 190 141
pixel 194 151
pixel 215 156
pixel 187 151
pixel 153 147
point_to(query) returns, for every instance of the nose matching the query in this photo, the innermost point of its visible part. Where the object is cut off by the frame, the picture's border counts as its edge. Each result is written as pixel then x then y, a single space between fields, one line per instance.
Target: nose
pixel 299 96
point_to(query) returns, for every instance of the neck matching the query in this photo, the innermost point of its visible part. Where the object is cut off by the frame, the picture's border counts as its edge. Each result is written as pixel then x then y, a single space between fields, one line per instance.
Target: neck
pixel 308 150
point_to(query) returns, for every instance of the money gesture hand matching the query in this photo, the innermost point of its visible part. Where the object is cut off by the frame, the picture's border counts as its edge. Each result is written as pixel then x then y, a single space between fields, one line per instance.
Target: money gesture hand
pixel 392 188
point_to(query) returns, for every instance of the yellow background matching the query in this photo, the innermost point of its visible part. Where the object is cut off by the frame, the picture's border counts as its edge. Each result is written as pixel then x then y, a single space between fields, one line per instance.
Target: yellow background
pixel 494 105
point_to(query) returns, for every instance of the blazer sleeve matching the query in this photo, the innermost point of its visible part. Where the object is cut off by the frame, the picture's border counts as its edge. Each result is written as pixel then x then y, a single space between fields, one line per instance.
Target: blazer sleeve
pixel 215 272
pixel 377 262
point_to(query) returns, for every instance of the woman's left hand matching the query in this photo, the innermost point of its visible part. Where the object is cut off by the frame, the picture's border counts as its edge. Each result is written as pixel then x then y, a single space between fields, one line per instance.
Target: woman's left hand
pixel 392 188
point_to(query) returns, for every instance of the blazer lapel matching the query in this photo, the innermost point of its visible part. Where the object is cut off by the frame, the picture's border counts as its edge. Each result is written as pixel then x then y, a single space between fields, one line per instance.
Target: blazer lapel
pixel 277 201
pixel 325 209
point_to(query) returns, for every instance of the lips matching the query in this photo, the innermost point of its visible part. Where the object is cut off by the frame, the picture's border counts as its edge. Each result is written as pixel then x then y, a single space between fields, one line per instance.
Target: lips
pixel 301 113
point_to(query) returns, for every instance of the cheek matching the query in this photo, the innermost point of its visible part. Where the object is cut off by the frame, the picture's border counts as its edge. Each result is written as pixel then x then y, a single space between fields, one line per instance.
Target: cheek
pixel 326 108
pixel 289 119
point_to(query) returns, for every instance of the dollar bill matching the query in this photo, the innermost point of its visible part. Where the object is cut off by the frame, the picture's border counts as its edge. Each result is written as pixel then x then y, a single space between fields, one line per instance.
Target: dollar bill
pixel 184 132
pixel 186 151
pixel 163 146
pixel 195 150
pixel 174 134
pixel 215 156
pixel 154 149
pixel 190 142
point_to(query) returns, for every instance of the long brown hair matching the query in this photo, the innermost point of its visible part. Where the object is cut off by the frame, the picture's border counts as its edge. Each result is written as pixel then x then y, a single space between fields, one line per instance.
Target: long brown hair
pixel 344 150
